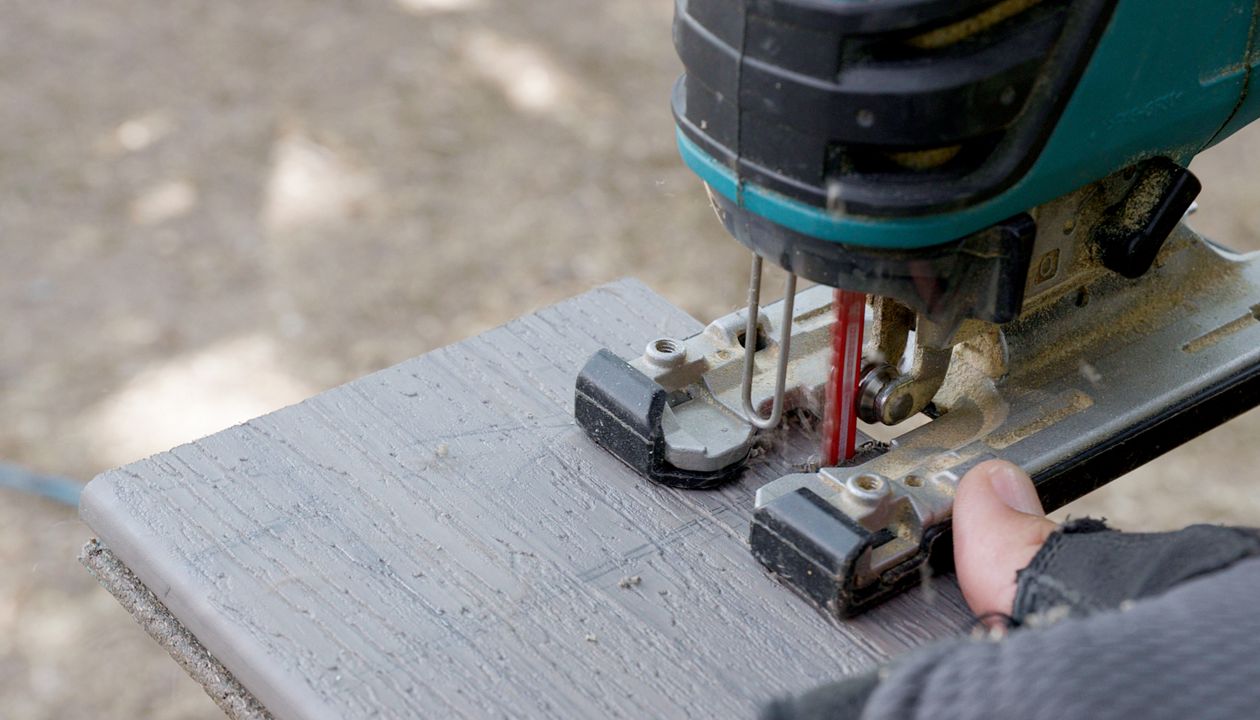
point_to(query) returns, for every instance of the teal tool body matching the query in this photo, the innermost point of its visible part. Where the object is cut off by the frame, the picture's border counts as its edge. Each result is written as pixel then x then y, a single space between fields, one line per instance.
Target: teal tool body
pixel 1132 90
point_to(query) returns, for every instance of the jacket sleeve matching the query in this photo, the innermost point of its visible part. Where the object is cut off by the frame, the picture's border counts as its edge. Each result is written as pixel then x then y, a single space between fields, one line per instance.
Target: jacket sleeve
pixel 1107 625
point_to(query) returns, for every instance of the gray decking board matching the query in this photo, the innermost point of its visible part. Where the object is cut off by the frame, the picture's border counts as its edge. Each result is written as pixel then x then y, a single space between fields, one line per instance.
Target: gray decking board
pixel 440 539
pixel 137 599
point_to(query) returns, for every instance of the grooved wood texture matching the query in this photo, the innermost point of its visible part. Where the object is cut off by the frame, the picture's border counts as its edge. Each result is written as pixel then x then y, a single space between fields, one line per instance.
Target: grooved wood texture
pixel 439 539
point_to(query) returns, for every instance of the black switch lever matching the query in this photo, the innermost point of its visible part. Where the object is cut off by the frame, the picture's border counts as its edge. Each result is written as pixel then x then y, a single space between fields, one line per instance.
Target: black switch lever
pixel 1133 230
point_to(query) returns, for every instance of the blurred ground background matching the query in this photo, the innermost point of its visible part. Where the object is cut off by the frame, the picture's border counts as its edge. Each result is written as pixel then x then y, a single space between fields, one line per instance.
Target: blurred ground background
pixel 212 209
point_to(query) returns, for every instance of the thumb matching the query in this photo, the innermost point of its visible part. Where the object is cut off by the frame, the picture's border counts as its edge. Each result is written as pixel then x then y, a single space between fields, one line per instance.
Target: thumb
pixel 998 527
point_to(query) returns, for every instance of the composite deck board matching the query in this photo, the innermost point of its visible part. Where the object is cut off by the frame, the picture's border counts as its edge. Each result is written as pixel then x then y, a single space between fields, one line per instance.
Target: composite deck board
pixel 439 539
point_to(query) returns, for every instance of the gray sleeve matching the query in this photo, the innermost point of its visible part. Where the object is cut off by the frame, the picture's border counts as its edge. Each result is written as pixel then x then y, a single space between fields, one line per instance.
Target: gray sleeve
pixel 1116 625
pixel 1107 625
pixel 1193 652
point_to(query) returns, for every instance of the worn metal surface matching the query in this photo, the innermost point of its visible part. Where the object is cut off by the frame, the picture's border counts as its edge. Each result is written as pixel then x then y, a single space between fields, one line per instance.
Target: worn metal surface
pixel 440 539
pixel 1062 384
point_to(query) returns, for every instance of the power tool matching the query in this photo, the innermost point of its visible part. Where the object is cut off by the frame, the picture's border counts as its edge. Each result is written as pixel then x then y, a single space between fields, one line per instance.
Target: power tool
pixel 989 196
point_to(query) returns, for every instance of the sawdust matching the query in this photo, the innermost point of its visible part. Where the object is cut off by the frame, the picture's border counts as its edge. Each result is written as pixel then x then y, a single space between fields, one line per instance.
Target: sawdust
pixel 1146 195
pixel 1063 407
pixel 794 442
pixel 1213 337
pixel 963 29
pixel 1149 306
pixel 926 159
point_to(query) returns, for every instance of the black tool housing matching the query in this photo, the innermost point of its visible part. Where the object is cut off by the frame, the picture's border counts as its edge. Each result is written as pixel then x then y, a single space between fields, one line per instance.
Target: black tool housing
pixel 894 108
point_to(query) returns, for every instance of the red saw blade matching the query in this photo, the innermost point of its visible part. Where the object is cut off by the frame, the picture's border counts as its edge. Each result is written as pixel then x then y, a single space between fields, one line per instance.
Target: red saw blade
pixel 840 414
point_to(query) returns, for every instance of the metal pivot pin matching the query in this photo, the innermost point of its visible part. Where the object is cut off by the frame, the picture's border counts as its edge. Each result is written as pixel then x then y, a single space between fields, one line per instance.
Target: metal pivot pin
pixel 750 346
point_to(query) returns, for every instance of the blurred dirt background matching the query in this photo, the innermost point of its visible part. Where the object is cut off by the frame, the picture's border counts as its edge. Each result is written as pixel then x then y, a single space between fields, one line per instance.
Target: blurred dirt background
pixel 212 209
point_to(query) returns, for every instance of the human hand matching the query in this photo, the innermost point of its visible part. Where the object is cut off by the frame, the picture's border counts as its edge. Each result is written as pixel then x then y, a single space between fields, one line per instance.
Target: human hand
pixel 999 526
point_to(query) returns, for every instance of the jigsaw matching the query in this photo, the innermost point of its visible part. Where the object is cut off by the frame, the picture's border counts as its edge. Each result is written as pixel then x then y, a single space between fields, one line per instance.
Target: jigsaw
pixel 989 197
